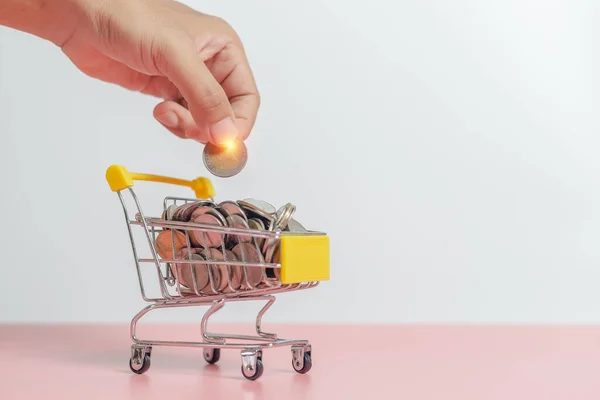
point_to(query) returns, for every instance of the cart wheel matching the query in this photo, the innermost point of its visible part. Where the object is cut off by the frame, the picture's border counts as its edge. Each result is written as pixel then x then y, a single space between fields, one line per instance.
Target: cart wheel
pixel 255 373
pixel 212 355
pixel 304 365
pixel 140 368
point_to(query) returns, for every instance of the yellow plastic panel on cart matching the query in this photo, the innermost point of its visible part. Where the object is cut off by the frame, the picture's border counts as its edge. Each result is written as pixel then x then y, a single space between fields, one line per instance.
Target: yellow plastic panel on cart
pixel 304 258
pixel 119 179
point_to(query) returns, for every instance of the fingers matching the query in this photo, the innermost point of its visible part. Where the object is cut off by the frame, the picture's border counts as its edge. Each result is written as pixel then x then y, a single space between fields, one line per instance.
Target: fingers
pixel 178 120
pixel 159 86
pixel 231 69
pixel 245 108
pixel 208 103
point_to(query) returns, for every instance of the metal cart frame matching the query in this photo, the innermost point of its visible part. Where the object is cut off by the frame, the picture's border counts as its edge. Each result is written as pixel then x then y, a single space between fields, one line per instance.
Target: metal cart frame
pixel 174 295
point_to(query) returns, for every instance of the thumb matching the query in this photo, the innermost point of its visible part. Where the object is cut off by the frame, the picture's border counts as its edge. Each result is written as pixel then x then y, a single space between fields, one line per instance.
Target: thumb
pixel 206 99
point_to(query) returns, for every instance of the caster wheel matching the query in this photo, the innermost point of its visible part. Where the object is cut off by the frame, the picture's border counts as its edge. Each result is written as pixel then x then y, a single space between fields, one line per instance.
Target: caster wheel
pixel 138 368
pixel 212 356
pixel 304 366
pixel 253 374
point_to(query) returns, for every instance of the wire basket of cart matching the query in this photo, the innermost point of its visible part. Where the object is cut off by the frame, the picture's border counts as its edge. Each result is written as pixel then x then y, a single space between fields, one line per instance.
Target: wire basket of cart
pixel 205 253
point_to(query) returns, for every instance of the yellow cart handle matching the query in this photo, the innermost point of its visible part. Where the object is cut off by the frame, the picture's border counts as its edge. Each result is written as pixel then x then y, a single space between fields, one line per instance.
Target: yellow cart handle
pixel 119 178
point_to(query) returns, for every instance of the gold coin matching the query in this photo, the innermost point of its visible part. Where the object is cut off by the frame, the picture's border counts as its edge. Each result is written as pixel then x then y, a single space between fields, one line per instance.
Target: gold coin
pixel 227 160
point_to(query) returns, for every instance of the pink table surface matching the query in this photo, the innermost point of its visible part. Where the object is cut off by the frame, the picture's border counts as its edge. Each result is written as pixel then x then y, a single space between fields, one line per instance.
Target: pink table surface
pixel 349 362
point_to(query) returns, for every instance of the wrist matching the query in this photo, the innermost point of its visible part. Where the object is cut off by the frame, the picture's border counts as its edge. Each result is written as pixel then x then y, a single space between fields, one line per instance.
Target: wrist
pixel 53 20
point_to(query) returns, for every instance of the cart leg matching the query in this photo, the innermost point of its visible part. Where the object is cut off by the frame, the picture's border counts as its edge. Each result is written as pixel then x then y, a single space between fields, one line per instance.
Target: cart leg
pixel 138 316
pixel 271 300
pixel 252 367
pixel 302 358
pixel 216 306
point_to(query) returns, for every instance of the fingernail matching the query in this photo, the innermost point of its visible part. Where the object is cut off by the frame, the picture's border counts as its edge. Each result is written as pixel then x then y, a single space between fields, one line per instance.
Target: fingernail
pixel 168 119
pixel 223 131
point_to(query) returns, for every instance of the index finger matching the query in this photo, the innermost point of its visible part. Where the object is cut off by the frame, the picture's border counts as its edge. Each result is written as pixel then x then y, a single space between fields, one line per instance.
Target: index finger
pixel 231 69
pixel 207 101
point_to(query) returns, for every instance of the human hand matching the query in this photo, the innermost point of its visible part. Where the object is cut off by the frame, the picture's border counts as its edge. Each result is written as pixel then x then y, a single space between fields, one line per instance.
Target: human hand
pixel 165 49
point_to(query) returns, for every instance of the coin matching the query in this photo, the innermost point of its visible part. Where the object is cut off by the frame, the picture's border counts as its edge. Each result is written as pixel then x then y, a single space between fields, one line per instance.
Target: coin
pixel 206 210
pixel 219 272
pixel 196 234
pixel 227 160
pixel 228 208
pixel 203 238
pixel 295 226
pixel 178 213
pixel 284 214
pixel 235 221
pixel 247 253
pixel 186 272
pixel 259 204
pixel 168 243
pixel 167 214
pixel 257 224
pixel 252 210
pixel 236 272
pixel 186 213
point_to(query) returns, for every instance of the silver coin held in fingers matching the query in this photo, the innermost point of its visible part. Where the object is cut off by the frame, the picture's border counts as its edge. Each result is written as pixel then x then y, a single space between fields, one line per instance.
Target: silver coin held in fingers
pixel 226 160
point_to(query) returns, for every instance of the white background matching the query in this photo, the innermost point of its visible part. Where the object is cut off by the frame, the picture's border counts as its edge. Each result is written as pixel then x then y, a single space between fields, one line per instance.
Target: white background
pixel 449 149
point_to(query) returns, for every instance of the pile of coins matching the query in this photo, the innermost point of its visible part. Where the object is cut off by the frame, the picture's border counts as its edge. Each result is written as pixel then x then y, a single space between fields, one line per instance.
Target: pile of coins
pixel 194 243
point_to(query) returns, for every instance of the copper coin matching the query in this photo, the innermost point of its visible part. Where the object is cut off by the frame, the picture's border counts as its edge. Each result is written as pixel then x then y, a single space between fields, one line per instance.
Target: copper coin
pixel 186 272
pixel 199 211
pixel 205 238
pixel 169 242
pixel 207 210
pixel 219 271
pixel 235 221
pixel 247 253
pixel 186 213
pixel 178 211
pixel 229 207
pixel 236 272
pixel 227 160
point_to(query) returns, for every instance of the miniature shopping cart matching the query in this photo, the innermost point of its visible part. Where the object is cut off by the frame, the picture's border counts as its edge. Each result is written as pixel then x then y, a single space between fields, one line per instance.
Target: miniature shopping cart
pixel 302 262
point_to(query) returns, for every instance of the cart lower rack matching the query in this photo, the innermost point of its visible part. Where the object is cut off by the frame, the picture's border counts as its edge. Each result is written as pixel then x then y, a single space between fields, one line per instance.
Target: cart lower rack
pixel 206 254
